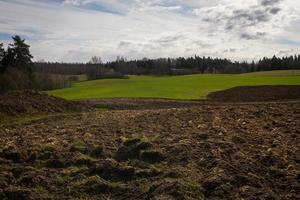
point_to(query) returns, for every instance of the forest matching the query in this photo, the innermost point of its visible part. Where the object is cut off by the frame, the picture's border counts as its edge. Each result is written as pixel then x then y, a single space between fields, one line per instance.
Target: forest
pixel 167 66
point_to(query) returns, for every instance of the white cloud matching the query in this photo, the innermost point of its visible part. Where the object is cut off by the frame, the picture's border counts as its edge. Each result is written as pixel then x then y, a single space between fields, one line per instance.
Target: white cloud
pixel 68 31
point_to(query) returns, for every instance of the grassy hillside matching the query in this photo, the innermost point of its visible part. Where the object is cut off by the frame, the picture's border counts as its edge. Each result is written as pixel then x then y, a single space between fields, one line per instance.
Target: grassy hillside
pixel 173 87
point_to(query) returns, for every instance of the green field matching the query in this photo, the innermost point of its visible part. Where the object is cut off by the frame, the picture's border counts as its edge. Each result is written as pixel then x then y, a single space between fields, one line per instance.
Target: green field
pixel 173 87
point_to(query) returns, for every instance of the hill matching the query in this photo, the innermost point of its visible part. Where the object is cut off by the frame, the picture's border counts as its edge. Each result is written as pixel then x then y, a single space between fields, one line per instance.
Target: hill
pixel 172 87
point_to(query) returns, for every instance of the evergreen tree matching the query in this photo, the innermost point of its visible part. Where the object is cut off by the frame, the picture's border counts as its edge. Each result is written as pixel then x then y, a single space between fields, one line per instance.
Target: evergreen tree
pixel 21 54
pixel 2 55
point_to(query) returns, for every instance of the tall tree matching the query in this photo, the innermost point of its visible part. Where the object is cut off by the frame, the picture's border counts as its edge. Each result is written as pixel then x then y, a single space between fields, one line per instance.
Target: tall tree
pixel 95 60
pixel 21 53
pixel 2 55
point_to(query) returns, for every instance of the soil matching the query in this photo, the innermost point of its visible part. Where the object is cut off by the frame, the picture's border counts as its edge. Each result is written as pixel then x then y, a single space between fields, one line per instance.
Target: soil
pixel 202 151
pixel 34 102
pixel 140 103
pixel 257 93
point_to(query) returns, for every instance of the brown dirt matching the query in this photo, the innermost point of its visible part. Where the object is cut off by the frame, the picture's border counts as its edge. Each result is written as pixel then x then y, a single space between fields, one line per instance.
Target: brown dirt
pixel 33 102
pixel 257 93
pixel 149 148
pixel 225 151
pixel 140 103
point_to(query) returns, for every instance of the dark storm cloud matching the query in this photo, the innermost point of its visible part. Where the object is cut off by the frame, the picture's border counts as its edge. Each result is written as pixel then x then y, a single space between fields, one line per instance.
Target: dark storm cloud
pixel 240 18
pixel 244 18
pixel 274 11
pixel 169 39
pixel 203 44
pixel 124 44
pixel 269 2
pixel 250 36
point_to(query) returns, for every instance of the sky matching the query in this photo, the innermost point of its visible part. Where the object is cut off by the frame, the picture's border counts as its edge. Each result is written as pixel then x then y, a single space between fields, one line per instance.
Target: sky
pixel 76 30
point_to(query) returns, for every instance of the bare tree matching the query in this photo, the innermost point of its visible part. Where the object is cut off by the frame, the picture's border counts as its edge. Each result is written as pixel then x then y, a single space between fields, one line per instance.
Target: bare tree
pixel 95 60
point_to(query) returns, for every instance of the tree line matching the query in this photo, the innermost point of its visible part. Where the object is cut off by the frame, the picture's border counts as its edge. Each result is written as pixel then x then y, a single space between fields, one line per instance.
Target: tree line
pixel 169 66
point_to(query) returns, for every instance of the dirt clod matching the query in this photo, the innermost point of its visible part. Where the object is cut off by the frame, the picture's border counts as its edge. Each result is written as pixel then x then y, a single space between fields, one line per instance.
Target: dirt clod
pixel 54 163
pixel 151 156
pixel 112 170
pixel 131 149
pixel 11 153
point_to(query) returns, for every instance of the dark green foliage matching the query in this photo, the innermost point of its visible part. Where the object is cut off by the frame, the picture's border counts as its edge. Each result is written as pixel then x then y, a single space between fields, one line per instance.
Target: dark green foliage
pixel 2 55
pixel 7 83
pixel 16 66
pixel 169 66
pixel 18 55
pixel 17 70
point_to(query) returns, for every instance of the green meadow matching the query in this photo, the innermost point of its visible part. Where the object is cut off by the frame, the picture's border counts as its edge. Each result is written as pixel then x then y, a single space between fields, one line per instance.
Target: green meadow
pixel 173 87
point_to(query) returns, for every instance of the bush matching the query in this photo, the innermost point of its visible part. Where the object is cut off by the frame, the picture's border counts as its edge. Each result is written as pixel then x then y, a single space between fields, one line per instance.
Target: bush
pixel 7 83
pixel 14 79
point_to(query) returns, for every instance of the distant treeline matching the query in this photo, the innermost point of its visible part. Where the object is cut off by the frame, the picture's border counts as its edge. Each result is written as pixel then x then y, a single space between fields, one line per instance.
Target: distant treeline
pixel 168 66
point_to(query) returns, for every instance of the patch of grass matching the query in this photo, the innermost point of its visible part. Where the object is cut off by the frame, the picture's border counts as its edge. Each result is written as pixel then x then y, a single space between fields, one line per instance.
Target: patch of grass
pixel 193 189
pixel 42 192
pixel 60 179
pixel 96 185
pixel 74 170
pixel 79 145
pixel 45 152
pixel 131 148
pixel 152 171
pixel 2 181
pixel 171 87
pixel 84 160
pixel 155 137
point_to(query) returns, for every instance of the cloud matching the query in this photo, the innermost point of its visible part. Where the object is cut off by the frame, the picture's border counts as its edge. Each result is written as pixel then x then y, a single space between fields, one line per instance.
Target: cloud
pixel 75 30
pixel 255 36
pixel 269 2
pixel 74 2
pixel 168 40
pixel 237 16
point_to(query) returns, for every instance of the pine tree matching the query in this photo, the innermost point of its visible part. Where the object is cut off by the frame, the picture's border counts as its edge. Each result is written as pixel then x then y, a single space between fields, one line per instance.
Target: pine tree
pixel 21 54
pixel 2 55
pixel 18 56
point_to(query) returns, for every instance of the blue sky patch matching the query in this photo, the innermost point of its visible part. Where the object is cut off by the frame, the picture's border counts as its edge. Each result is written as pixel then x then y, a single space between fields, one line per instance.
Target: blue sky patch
pixel 99 7
pixel 5 36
